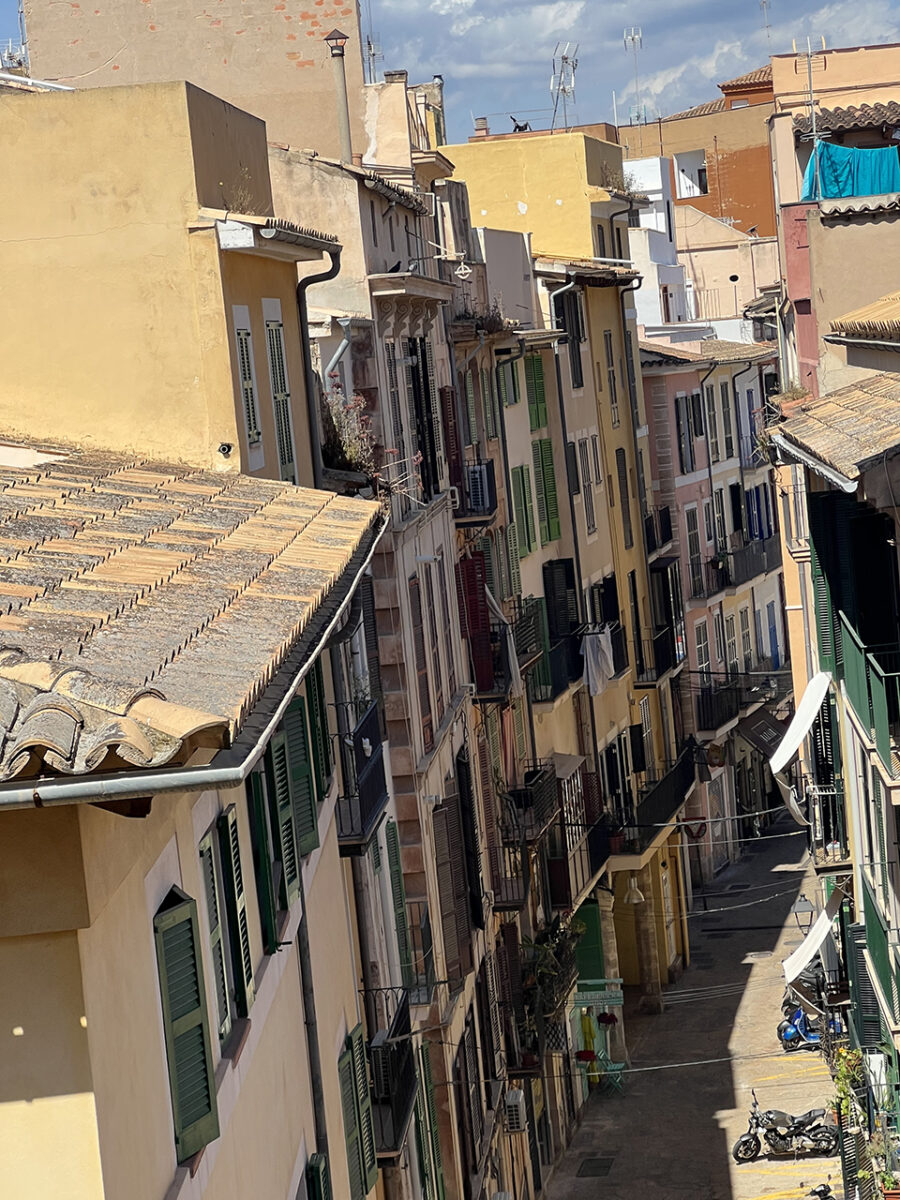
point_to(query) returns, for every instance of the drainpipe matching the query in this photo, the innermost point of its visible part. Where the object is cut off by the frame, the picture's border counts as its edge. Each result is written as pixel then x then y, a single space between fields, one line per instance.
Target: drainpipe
pixel 737 418
pixel 308 993
pixel 9 77
pixel 345 323
pixel 504 445
pixel 303 284
pixel 704 411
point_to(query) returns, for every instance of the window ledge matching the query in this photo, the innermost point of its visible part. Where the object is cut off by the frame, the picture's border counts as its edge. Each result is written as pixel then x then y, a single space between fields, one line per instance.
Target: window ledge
pixel 237 1040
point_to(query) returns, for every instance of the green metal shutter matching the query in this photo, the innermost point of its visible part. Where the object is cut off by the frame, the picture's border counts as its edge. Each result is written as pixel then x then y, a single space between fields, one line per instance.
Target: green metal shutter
pixel 487 403
pixel 503 566
pixel 552 501
pixel 318 728
pixel 535 390
pixel 282 816
pixel 824 615
pixel 503 384
pixel 423 1147
pixel 398 896
pixel 236 909
pixel 537 460
pixel 518 499
pixel 185 1024
pixel 262 861
pixel 318 1180
pixel 209 871
pixel 303 800
pixel 347 1083
pixel 364 1107
pixel 529 529
pixel 471 423
pixel 428 1082
pixel 513 555
pixel 878 805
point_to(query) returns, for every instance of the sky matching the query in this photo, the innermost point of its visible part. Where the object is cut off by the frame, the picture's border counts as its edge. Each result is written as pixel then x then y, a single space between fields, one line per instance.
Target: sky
pixel 496 56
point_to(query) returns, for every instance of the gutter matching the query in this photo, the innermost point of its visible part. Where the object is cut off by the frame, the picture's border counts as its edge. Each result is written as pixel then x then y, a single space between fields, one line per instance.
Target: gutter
pixel 9 77
pixel 814 464
pixel 235 762
pixel 846 339
pixel 303 284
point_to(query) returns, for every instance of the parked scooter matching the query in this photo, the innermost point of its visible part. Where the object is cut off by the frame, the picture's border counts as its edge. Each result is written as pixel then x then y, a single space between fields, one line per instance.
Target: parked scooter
pixel 784 1134
pixel 812 978
pixel 822 1192
pixel 798 1030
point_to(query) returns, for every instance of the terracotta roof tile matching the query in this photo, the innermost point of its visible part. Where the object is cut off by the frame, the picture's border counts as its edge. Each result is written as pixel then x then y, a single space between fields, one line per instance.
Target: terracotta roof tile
pixel 121 581
pixel 699 110
pixel 880 320
pixel 863 116
pixel 761 75
pixel 724 351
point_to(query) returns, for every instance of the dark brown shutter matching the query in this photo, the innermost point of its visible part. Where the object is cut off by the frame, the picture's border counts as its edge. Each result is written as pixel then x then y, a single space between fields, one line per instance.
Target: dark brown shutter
pixel 561 597
pixel 453 888
pixel 469 814
pixel 475 619
pixel 638 756
pixel 491 830
pixel 452 442
pixel 415 604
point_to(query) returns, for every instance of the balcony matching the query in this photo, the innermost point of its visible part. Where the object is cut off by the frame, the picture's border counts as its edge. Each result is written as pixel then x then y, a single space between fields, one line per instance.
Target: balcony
pixel 751 455
pixel 707 577
pixel 573 865
pixel 831 847
pixel 490 662
pixel 529 810
pixel 365 792
pixel 418 968
pixel 657 656
pixel 772 553
pixel 717 702
pixel 745 563
pixel 392 1067
pixel 549 970
pixel 619 648
pixel 658 528
pixel 478 499
pixel 510 878
pixel 526 627
pixel 661 801
pixel 872 679
pixel 560 666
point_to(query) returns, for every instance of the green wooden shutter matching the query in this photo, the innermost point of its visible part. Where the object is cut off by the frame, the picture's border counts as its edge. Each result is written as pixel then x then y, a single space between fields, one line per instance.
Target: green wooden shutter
pixel 398 896
pixel 824 614
pixel 318 728
pixel 529 531
pixel 282 817
pixel 318 1179
pixel 519 727
pixel 882 871
pixel 209 870
pixel 502 566
pixel 262 861
pixel 185 1024
pixel 550 495
pixel 487 403
pixel 543 528
pixel 514 394
pixel 535 390
pixel 347 1083
pixel 518 497
pixel 364 1107
pixel 236 909
pixel 513 556
pixel 423 1147
pixel 471 422
pixel 503 384
pixel 303 800
pixel 428 1081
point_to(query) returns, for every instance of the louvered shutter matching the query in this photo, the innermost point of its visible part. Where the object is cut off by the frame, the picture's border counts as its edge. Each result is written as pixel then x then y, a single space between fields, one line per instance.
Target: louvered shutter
pixel 434 1129
pixel 493 1002
pixel 318 728
pixel 503 384
pixel 638 752
pixel 434 405
pixel 491 829
pixel 216 945
pixel 471 422
pixel 475 618
pixel 824 615
pixel 561 597
pixel 303 799
pixel 503 565
pixel 281 399
pixel 572 469
pixel 476 1113
pixel 487 403
pixel 512 557
pixel 529 528
pixel 464 886
pixel 418 631
pixel 248 389
pixel 543 528
pixel 518 498
pixel 436 673
pixel 410 360
pixel 398 899
pixel 485 547
pixel 185 1024
pixel 452 890
pixel 624 498
pixel 452 439
pixel 878 806
pixel 236 909
pixel 471 836
pixel 364 1107
pixel 266 885
pixel 370 634
pixel 423 1147
pixel 283 817
pixel 534 388
pixel 520 731
pixel 347 1084
pixel 318 1180
pixel 550 496
pixel 867 1016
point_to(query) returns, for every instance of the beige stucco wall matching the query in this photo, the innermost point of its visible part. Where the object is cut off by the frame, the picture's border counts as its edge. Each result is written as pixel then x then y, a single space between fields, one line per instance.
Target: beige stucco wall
pixel 847 76
pixel 711 252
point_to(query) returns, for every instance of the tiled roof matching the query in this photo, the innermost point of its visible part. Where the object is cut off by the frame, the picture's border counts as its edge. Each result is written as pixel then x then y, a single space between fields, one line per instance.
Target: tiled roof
pixel 880 319
pixel 850 206
pixel 722 351
pixel 761 75
pixel 660 353
pixel 699 110
pixel 586 267
pixel 851 428
pixel 145 607
pixel 864 116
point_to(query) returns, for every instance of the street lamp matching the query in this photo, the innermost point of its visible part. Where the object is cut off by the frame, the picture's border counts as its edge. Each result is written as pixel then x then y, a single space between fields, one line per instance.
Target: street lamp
pixel 803 913
pixel 336 41
pixel 633 895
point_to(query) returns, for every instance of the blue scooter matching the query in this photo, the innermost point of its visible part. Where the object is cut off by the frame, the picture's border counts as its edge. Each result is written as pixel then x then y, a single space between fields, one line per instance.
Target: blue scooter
pixel 798 1030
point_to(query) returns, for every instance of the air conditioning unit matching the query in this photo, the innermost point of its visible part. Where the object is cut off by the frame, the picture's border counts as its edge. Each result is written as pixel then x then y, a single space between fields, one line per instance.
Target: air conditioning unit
pixel 477 479
pixel 516 1112
pixel 454 498
pixel 379 1057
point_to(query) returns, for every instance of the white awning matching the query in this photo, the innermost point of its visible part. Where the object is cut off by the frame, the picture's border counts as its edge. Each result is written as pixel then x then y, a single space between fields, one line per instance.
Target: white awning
pixel 807 709
pixel 814 940
pixel 791 803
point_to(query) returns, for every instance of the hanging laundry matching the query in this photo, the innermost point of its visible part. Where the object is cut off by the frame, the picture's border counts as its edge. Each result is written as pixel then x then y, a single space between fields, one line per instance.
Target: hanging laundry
pixel 850 171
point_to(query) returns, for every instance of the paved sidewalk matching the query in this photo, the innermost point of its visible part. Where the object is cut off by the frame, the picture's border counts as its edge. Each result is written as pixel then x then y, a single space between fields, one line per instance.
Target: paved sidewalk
pixel 670 1135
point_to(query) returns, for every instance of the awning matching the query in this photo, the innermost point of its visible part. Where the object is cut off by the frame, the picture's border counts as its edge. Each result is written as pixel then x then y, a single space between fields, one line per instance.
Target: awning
pixel 814 940
pixel 802 721
pixel 791 801
pixel 763 731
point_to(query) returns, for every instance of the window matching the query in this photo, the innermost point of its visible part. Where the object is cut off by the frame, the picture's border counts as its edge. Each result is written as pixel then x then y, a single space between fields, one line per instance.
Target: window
pixel 701 640
pixel 601 242
pixel 418 629
pixel 665 297
pixel 453 889
pixel 356 1105
pixel 587 491
pixel 725 390
pixel 487 403
pixel 719 508
pixel 611 376
pixel 731 655
pixel 534 390
pixel 595 451
pixel 397 433
pixel 247 376
pixel 391 232
pixel 569 316
pixel 707 521
pixel 746 643
pixel 545 487
pixel 409 244
pixel 719 635
pixel 185 1024
pixel 685 434
pixel 523 508
pixel 508 377
pixel 712 424
pixel 620 247
pixel 226 915
pixel 634 218
pixel 624 498
pixel 281 396
pixel 373 215
pixel 646 730
pixel 449 643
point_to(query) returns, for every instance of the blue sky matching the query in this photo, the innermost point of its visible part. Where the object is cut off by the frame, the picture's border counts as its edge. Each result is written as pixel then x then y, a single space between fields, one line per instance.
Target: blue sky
pixel 496 55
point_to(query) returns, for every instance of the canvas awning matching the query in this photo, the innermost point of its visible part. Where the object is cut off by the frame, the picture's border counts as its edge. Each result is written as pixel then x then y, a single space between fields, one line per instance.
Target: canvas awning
pixel 802 721
pixel 814 940
pixel 791 802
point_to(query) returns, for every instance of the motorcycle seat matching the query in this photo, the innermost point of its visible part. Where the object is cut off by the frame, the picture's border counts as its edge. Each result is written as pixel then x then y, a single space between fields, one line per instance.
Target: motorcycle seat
pixel 808 1118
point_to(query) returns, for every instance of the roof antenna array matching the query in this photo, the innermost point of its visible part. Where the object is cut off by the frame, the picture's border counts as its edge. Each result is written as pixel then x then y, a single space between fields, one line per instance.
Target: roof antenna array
pixel 764 5
pixel 562 81
pixel 634 41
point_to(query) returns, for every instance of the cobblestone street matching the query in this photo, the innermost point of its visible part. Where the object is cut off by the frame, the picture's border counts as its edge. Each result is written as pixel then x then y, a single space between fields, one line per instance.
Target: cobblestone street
pixel 669 1136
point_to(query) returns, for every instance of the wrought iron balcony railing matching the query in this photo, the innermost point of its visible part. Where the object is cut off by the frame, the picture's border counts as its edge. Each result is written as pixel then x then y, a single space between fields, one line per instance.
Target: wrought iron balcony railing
pixel 478 499
pixel 392 1067
pixel 529 810
pixel 365 796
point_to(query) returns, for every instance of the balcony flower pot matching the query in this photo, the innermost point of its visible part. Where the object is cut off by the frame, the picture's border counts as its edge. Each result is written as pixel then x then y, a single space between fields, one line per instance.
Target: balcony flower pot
pixel 585 1056
pixel 616 843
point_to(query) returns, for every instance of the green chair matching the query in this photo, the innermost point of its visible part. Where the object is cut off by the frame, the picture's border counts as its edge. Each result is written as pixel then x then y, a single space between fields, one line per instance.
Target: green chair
pixel 612 1074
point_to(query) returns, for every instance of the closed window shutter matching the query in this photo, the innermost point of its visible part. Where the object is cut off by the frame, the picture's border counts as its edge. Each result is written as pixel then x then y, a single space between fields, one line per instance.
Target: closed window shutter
pixel 303 799
pixel 624 498
pixel 266 889
pixel 590 517
pixel 513 555
pixel 217 949
pixel 236 909
pixel 518 490
pixel 435 404
pixel 471 837
pixel 572 469
pixel 550 497
pixel 535 391
pixel 503 566
pixel 347 1083
pixel 398 898
pixel 543 529
pixel 364 1108
pixel 488 799
pixel 434 1130
pixel 503 384
pixel 318 727
pixel 520 732
pixel 423 1147
pixel 444 867
pixel 409 354
pixel 824 616
pixel 318 1180
pixel 370 633
pixel 865 1011
pixel 485 547
pixel 449 640
pixel 561 596
pixel 281 399
pixel 418 631
pixel 529 529
pixel 282 817
pixel 487 403
pixel 248 390
pixel 471 579
pixel 437 674
pixel 185 1024
pixel 471 423
pixel 476 1115
pixel 451 436
pixel 493 1000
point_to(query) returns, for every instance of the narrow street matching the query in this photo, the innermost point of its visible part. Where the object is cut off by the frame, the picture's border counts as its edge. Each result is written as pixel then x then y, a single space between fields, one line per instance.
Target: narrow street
pixel 669 1136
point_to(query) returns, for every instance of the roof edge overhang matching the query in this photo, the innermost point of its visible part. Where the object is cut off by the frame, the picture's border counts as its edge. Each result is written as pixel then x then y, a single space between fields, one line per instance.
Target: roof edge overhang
pixel 807 459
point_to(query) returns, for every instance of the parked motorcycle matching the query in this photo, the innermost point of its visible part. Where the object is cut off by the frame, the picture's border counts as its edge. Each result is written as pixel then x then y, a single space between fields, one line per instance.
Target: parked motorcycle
pixel 798 1030
pixel 812 979
pixel 784 1133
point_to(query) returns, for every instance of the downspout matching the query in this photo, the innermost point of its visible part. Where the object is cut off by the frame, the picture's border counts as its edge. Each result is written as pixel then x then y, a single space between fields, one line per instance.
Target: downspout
pixel 345 323
pixel 303 285
pixel 737 420
pixel 308 995
pixel 504 445
pixel 703 410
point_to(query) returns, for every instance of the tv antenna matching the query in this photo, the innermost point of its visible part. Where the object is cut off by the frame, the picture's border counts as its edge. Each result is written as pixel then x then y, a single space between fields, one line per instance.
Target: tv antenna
pixel 373 54
pixel 634 41
pixel 562 81
pixel 764 5
pixel 815 61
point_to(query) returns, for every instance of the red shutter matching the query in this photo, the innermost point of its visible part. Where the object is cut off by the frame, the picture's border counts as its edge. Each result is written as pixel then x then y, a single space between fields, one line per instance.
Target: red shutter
pixel 475 618
pixel 452 441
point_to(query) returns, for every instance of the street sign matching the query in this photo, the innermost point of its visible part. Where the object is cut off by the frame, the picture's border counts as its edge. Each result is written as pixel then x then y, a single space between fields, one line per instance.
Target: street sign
pixel 600 992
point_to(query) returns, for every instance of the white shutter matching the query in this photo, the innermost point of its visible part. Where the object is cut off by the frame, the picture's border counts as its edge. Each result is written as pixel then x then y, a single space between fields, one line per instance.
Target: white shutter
pixel 281 399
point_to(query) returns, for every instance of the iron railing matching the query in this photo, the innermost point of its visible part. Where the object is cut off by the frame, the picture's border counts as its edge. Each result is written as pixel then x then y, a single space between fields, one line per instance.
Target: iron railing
pixel 510 878
pixel 573 868
pixel 660 804
pixel 478 501
pixel 831 845
pixel 490 661
pixel 717 703
pixel 526 626
pixel 529 810
pixel 658 528
pixel 559 666
pixel 392 1067
pixel 657 656
pixel 365 786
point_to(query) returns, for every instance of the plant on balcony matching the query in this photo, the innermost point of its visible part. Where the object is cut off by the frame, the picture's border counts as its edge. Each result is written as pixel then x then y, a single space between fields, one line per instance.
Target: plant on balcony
pixel 348 440
pixel 848 1079
pixel 490 320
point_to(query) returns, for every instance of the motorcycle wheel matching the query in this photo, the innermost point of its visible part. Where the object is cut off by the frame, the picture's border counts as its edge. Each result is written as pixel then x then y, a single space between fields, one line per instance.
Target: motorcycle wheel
pixel 788 1045
pixel 746 1148
pixel 826 1141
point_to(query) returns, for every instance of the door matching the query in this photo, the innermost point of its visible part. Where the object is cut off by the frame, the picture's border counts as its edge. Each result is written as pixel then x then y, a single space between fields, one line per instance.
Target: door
pixel 669 912
pixel 773 635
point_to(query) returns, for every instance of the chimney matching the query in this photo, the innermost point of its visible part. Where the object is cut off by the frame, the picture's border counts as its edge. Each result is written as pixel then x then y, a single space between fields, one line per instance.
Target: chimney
pixel 396 77
pixel 481 127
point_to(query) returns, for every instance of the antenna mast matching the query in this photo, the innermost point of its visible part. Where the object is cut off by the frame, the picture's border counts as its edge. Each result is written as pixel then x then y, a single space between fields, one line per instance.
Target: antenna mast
pixel 815 61
pixel 562 81
pixel 634 40
pixel 764 5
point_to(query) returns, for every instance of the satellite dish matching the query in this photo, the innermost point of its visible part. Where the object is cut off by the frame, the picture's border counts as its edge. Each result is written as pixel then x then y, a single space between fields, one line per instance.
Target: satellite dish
pixel 463 271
